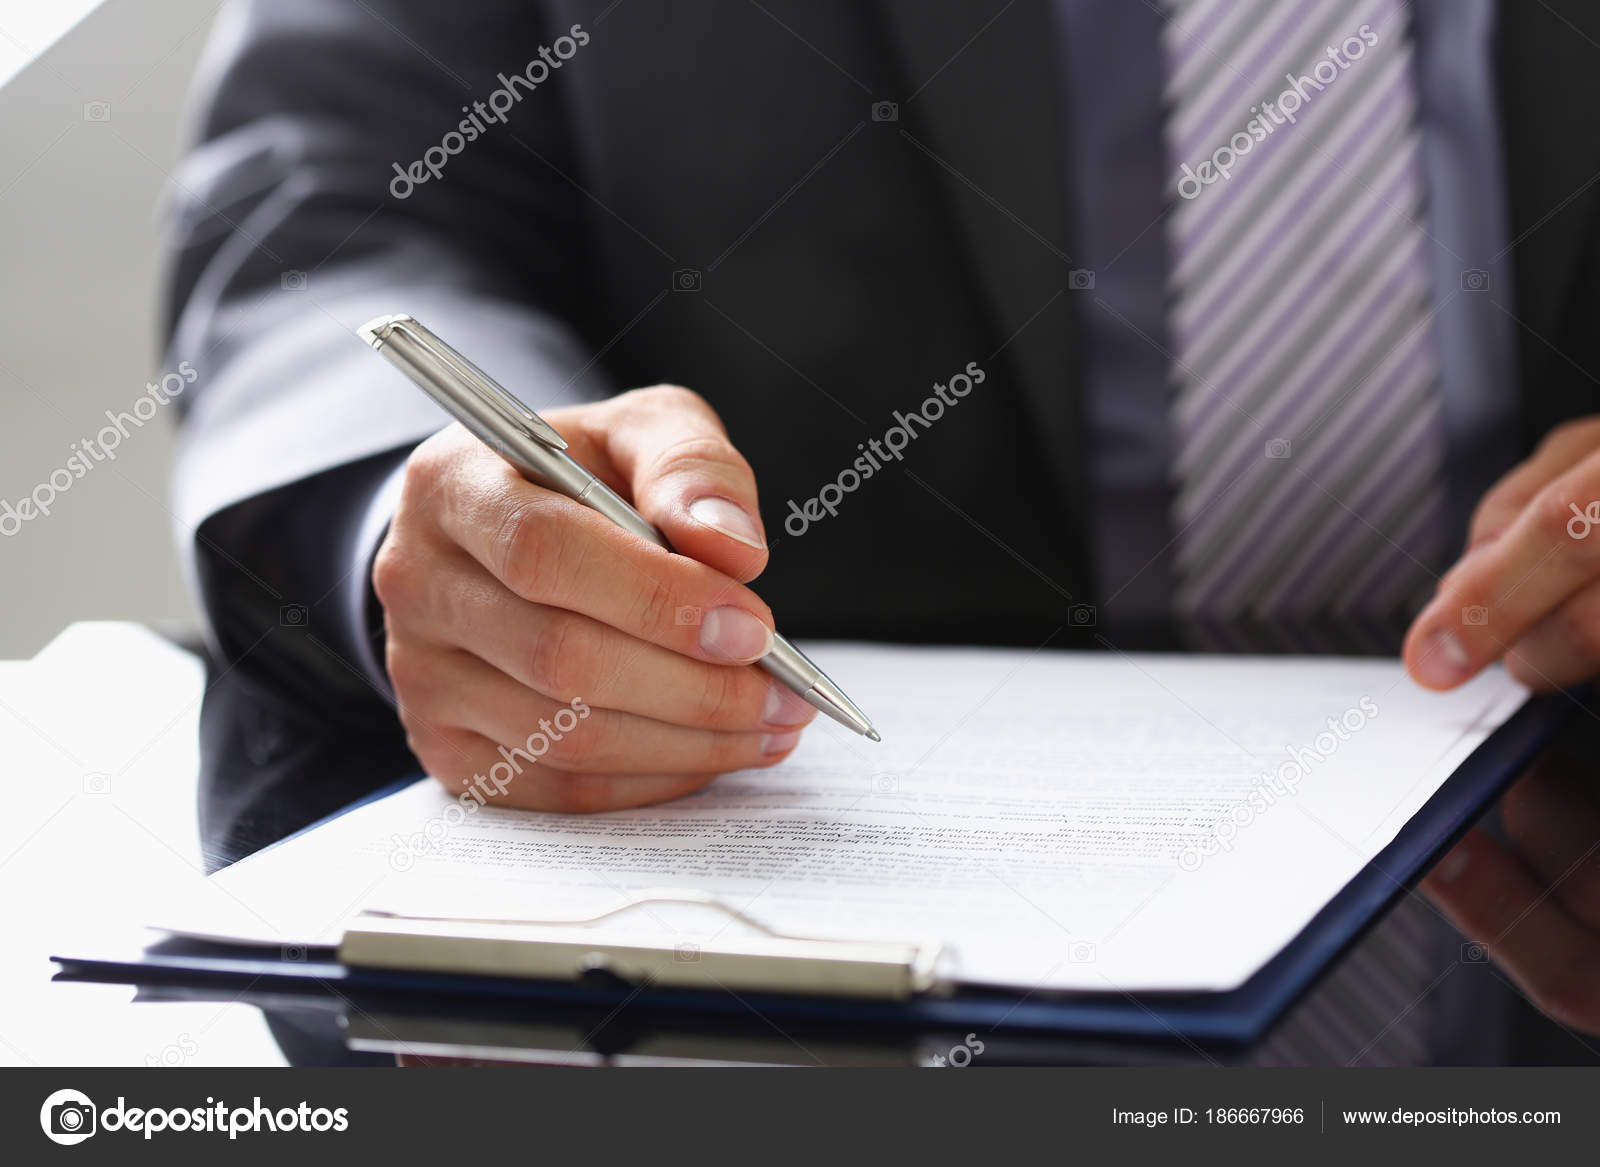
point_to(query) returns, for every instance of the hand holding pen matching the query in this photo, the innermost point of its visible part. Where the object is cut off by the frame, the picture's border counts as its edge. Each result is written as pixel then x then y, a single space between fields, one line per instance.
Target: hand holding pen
pixel 508 602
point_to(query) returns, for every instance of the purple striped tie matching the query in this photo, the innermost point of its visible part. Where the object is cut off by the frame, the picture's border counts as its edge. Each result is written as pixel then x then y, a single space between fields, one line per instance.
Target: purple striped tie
pixel 1310 445
pixel 1308 434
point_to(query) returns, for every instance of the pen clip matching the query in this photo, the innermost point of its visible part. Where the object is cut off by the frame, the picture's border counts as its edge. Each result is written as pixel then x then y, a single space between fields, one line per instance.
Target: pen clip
pixel 489 391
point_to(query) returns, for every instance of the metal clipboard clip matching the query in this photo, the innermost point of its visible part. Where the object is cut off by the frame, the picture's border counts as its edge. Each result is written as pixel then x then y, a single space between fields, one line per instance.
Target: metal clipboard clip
pixel 567 950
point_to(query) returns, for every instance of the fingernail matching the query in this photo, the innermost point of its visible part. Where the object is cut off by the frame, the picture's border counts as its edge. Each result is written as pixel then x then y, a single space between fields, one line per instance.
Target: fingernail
pixel 779 743
pixel 1453 864
pixel 785 707
pixel 731 519
pixel 734 634
pixel 1443 662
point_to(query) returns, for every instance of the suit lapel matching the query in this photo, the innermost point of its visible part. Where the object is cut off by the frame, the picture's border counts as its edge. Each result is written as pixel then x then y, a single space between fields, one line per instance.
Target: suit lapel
pixel 1549 98
pixel 980 102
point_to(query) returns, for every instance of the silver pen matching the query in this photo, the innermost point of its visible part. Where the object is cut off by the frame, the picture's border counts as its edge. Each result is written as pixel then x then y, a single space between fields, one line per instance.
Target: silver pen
pixel 526 440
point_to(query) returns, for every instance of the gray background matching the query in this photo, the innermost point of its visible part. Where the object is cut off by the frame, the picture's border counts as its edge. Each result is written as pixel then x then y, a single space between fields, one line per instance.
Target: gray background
pixel 78 248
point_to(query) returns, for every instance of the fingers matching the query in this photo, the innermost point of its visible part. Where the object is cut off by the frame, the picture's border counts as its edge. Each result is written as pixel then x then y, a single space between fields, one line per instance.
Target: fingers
pixel 529 635
pixel 1562 449
pixel 564 655
pixel 1563 648
pixel 471 761
pixel 1494 901
pixel 577 736
pixel 550 550
pixel 1510 583
pixel 685 476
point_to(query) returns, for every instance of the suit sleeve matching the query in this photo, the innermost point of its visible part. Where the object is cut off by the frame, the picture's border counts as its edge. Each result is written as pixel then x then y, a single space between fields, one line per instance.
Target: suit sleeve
pixel 289 225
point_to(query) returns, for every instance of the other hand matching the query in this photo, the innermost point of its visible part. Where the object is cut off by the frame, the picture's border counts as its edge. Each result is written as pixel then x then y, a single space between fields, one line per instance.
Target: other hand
pixel 1528 586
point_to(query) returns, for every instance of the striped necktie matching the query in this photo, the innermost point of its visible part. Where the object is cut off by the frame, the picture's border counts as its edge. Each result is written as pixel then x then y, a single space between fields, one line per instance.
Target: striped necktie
pixel 1308 436
pixel 1309 441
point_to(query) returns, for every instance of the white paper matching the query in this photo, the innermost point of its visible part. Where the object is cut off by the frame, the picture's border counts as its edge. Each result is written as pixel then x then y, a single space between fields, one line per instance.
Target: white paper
pixel 1070 821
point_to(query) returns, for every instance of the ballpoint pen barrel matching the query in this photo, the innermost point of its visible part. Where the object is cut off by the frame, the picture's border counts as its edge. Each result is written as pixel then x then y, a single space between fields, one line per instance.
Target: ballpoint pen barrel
pixel 535 461
pixel 538 453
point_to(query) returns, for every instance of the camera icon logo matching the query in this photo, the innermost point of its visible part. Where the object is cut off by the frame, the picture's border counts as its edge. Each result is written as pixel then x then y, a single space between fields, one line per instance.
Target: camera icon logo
pixel 1080 279
pixel 688 616
pixel 1279 449
pixel 1081 952
pixel 97 782
pixel 686 279
pixel 1475 279
pixel 686 953
pixel 293 615
pixel 293 953
pixel 1475 616
pixel 1082 616
pixel 885 111
pixel 1472 952
pixel 293 280
pixel 97 111
pixel 885 784
pixel 68 1117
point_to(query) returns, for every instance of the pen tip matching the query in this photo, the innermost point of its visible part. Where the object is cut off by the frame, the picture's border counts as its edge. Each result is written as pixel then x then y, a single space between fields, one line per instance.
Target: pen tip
pixel 874 736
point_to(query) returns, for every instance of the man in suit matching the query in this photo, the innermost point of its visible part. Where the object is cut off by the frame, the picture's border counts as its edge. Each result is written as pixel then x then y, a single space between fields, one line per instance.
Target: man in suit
pixel 1046 322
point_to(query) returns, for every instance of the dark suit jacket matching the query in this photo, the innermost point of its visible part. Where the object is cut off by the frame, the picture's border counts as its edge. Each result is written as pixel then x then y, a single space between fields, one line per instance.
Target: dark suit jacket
pixel 842 265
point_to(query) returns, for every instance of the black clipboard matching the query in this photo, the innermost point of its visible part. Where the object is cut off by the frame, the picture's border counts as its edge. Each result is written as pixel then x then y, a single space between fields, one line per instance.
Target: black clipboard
pixel 1235 1018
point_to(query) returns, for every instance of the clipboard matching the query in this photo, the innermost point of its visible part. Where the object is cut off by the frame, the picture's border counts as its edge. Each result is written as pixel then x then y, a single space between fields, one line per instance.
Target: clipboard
pixel 889 986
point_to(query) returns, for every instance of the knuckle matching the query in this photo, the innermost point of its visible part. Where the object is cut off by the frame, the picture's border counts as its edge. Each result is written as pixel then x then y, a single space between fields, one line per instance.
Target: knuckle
pixel 393 575
pixel 656 605
pixel 719 701
pixel 552 663
pixel 580 751
pixel 523 558
pixel 427 466
pixel 669 398
pixel 732 751
pixel 709 454
pixel 1550 511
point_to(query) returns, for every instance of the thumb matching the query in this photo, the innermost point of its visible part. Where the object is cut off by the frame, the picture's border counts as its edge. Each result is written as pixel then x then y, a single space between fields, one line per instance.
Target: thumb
pixel 685 476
